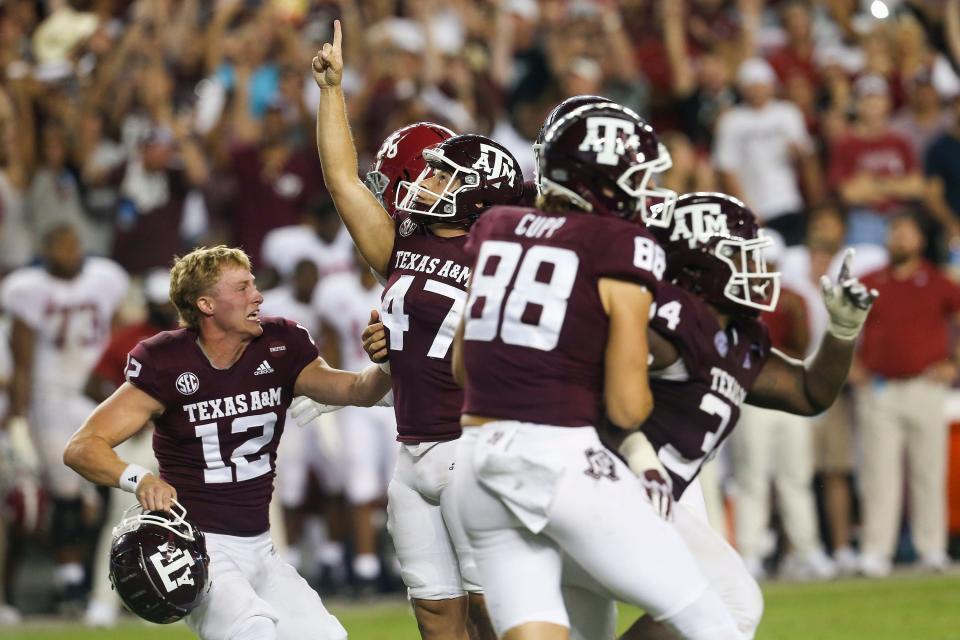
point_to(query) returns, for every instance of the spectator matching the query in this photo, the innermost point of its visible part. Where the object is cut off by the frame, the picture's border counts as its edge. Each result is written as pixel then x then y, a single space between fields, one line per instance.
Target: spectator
pixel 776 446
pixel 757 151
pixel 153 189
pixel 922 120
pixel 873 168
pixel 54 197
pixel 802 268
pixel 942 166
pixel 908 362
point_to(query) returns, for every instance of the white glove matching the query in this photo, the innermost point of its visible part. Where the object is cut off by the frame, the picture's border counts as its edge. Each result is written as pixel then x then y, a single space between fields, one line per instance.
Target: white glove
pixel 847 300
pixel 643 461
pixel 19 446
pixel 305 410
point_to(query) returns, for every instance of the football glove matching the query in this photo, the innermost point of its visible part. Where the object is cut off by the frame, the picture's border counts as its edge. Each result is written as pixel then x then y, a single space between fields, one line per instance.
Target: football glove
pixel 304 410
pixel 643 461
pixel 17 445
pixel 847 300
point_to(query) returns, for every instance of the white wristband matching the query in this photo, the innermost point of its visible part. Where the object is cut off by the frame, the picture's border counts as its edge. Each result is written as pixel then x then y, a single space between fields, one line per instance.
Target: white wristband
pixel 132 476
pixel 640 454
pixel 385 367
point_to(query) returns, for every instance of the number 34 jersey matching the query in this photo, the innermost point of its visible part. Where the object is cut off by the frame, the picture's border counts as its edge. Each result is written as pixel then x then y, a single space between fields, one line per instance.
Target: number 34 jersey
pixel 536 331
pixel 696 401
pixel 216 440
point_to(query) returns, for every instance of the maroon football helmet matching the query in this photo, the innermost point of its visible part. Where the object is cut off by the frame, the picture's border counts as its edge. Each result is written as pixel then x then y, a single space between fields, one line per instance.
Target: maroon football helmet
pixel 476 173
pixel 715 249
pixel 400 159
pixel 602 157
pixel 159 564
pixel 558 112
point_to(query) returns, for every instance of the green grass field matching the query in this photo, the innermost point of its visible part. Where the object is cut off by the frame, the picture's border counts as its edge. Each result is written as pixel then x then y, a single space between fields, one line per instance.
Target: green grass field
pixel 904 607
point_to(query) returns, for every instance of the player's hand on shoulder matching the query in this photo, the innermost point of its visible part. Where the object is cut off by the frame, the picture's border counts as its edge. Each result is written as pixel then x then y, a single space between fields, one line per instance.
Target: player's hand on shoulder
pixel 328 63
pixel 155 494
pixel 847 300
pixel 375 339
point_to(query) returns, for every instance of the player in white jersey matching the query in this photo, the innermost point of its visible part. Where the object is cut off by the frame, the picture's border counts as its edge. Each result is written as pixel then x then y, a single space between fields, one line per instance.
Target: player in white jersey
pixel 315 447
pixel 62 312
pixel 344 302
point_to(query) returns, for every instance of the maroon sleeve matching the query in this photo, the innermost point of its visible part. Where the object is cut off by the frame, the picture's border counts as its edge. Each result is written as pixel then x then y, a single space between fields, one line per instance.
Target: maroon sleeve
pixel 143 372
pixel 628 253
pixel 302 347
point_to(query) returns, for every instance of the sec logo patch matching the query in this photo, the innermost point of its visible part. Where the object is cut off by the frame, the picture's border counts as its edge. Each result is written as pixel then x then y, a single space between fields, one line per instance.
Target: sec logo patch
pixel 188 383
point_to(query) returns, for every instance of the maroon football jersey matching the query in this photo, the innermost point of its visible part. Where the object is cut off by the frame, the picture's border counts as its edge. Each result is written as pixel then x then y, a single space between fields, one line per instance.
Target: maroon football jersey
pixel 697 403
pixel 216 440
pixel 421 308
pixel 536 330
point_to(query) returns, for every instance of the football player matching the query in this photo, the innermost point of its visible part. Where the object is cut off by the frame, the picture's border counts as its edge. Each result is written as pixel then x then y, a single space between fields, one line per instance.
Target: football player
pixel 711 353
pixel 217 391
pixel 62 313
pixel 423 259
pixel 548 341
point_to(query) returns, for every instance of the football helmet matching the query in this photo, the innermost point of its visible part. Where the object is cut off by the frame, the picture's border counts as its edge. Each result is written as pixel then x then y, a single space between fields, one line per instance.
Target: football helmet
pixel 400 159
pixel 474 173
pixel 558 112
pixel 159 564
pixel 602 157
pixel 716 249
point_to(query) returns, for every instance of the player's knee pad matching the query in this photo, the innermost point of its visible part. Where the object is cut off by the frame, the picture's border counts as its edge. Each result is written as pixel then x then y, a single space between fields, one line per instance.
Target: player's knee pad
pixel 706 618
pixel 67 522
pixel 256 628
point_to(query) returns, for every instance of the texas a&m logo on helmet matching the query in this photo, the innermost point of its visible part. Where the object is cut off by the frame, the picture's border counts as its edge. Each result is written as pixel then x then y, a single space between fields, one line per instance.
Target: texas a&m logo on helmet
pixel 603 157
pixel 475 174
pixel 715 249
pixel 159 564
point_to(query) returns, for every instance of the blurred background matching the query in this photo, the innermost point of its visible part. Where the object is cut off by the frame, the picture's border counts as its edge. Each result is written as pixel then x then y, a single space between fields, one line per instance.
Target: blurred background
pixel 134 130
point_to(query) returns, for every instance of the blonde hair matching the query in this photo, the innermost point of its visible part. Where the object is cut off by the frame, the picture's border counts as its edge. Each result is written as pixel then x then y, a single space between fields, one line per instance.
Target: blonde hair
pixel 195 274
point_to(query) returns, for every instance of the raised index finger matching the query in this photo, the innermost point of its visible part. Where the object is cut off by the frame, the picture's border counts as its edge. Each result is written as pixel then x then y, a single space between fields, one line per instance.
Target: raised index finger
pixel 337 36
pixel 845 267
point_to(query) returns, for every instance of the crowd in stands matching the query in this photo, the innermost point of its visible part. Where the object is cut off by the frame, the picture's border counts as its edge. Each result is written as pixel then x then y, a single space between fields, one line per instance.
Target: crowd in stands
pixel 153 126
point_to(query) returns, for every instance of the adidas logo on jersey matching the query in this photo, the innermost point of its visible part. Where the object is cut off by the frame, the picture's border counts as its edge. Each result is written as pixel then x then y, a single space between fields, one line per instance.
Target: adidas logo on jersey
pixel 263 368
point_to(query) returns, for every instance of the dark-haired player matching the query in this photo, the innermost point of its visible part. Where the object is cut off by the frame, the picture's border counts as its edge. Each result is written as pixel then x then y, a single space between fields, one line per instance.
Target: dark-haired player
pixel 711 353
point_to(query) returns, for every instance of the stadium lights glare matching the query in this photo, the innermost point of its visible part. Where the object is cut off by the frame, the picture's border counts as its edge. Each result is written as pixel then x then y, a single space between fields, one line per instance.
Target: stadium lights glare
pixel 879 10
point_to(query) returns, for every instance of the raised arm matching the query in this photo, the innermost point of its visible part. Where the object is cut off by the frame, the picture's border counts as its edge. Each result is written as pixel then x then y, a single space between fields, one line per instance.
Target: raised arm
pixel 810 387
pixel 90 451
pixel 369 224
pixel 326 385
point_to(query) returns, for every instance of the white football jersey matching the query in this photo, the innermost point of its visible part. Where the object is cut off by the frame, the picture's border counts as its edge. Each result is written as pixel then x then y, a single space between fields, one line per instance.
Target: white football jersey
pixel 344 304
pixel 284 247
pixel 280 302
pixel 70 318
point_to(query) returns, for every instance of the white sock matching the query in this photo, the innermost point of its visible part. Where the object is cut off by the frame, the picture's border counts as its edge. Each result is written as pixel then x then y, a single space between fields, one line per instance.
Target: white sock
pixel 366 566
pixel 67 574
